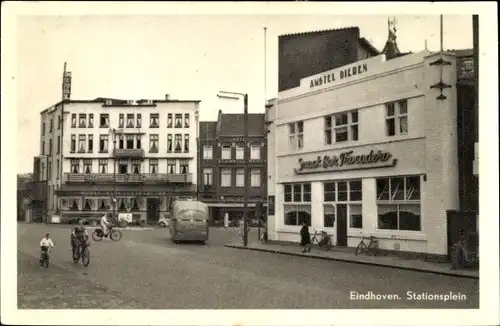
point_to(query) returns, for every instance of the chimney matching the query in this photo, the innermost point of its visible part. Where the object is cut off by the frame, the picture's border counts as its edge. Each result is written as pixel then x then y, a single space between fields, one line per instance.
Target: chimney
pixel 167 97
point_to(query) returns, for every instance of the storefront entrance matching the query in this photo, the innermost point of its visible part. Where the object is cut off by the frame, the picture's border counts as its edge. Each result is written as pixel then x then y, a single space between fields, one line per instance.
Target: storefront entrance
pixel 153 207
pixel 342 225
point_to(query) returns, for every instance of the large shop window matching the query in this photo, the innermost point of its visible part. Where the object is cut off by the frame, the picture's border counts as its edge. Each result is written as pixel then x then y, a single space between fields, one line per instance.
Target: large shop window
pixel 297 207
pixel 345 192
pixel 398 201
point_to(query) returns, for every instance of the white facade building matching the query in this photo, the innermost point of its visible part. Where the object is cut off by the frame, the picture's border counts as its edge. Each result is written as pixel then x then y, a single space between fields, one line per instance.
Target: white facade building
pixel 367 149
pixel 155 154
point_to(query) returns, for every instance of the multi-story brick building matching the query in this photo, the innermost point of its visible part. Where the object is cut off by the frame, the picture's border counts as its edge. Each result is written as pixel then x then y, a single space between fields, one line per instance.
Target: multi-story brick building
pixel 367 149
pixel 142 152
pixel 222 154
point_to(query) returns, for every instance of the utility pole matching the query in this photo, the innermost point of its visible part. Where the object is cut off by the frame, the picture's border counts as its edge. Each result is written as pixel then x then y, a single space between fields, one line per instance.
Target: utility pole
pixel 226 95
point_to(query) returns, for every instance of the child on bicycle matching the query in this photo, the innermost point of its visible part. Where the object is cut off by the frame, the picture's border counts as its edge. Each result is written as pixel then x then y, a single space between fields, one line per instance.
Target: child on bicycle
pixel 305 237
pixel 45 244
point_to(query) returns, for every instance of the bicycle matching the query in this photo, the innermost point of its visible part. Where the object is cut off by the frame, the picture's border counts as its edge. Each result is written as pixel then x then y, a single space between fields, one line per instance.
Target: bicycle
pixel 325 240
pixel 81 251
pixel 372 247
pixel 44 259
pixel 114 234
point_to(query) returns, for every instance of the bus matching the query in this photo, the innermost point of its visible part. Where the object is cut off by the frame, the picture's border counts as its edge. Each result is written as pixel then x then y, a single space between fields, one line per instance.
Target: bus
pixel 189 221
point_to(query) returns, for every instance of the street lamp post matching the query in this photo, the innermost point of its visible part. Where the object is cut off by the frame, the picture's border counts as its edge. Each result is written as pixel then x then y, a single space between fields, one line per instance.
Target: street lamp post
pixel 113 133
pixel 227 95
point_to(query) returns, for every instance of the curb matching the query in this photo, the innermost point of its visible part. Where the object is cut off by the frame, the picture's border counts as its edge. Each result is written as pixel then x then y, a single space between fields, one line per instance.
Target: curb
pixel 277 251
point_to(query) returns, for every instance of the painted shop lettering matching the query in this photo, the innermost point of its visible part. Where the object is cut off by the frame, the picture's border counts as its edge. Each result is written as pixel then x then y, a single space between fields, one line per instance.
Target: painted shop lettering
pixel 342 74
pixel 345 159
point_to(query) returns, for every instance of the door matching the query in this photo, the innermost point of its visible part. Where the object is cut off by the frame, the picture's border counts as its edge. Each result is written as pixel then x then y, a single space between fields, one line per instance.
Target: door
pixel 153 206
pixel 342 225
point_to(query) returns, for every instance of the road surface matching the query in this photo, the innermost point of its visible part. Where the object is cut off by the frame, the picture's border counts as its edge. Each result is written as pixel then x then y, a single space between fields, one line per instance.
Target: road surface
pixel 146 271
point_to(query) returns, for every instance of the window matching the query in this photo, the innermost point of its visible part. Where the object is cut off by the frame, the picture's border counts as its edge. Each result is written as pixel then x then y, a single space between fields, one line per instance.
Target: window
pixel 51 125
pixel 87 166
pixel 207 152
pixel 153 143
pixel 255 178
pixel 296 134
pixel 43 148
pixel 130 120
pixel 121 120
pixel 59 122
pixel 103 165
pixel 178 143
pixel 186 143
pixel 240 177
pixel 75 166
pixel 468 65
pixel 169 143
pixel 103 143
pixel 178 121
pixel 58 169
pixel 398 201
pixel 73 143
pixel 348 193
pixel 43 127
pixel 186 120
pixel 225 180
pixel 50 146
pixel 49 170
pixel 81 143
pixel 297 192
pixel 121 142
pixel 153 165
pixel 396 120
pixel 104 120
pixel 73 120
pixel 171 166
pixel 58 144
pixel 184 166
pixel 169 120
pixel 255 152
pixel 91 144
pixel 82 118
pixel 123 166
pixel 226 152
pixel 91 120
pixel 154 120
pixel 297 214
pixel 341 127
pixel 240 152
pixel 130 141
pixel 138 141
pixel 207 176
pixel 139 120
pixel 136 166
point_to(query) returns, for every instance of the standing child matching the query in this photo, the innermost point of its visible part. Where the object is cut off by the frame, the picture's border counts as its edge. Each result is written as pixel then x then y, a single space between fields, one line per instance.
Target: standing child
pixel 305 237
pixel 45 244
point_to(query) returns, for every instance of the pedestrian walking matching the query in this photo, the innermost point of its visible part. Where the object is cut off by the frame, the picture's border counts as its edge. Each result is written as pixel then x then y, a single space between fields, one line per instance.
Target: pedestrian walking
pixel 305 237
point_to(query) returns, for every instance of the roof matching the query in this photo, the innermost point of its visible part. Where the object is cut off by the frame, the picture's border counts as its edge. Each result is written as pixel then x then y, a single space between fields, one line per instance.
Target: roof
pixel 233 124
pixel 208 129
pixel 462 52
pixel 368 46
pixel 318 32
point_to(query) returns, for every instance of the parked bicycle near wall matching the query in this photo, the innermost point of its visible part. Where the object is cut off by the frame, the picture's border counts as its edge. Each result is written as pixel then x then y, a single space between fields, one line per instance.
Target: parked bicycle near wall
pixel 370 249
pixel 322 239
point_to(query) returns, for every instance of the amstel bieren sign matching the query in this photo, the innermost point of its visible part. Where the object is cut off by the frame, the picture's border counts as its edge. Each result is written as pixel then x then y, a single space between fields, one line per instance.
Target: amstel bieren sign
pixel 347 161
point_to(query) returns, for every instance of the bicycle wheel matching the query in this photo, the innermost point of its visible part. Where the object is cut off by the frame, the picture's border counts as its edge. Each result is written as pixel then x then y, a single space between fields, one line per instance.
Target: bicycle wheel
pixel 97 236
pixel 327 246
pixel 46 262
pixel 86 256
pixel 115 235
pixel 359 249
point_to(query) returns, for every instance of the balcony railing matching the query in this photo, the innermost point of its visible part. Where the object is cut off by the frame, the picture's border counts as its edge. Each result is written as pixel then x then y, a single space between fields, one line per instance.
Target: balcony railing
pixel 127 178
pixel 129 153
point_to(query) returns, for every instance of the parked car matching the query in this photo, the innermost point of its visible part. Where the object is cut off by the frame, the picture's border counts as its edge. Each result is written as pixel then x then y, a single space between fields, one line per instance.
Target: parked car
pixel 164 222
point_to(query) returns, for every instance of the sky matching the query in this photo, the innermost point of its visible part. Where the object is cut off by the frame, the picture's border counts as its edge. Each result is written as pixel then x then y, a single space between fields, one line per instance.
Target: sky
pixel 190 57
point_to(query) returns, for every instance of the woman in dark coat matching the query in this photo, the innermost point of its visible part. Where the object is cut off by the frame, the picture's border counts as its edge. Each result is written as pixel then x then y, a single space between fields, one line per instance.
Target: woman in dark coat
pixel 305 238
